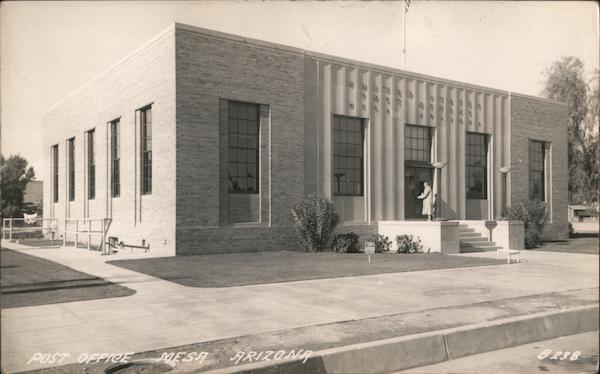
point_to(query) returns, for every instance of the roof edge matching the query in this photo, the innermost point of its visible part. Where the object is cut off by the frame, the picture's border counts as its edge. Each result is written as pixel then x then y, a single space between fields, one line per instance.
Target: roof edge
pixel 355 63
pixel 239 38
pixel 165 32
pixel 299 51
pixel 540 99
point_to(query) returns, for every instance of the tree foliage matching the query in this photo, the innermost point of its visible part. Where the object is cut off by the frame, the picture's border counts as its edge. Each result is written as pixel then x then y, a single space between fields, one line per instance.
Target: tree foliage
pixel 14 177
pixel 566 82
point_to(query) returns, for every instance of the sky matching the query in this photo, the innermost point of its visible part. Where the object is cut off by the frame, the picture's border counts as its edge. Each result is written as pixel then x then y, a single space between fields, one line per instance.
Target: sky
pixel 50 49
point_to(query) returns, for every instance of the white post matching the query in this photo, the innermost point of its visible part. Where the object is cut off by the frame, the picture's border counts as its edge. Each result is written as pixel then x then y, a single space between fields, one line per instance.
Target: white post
pixel 89 233
pixel 76 232
pixel 437 187
pixel 102 238
pixel 10 224
pixel 65 233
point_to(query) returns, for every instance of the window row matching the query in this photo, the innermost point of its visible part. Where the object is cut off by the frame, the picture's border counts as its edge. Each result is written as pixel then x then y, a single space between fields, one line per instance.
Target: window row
pixel 243 156
pixel 145 120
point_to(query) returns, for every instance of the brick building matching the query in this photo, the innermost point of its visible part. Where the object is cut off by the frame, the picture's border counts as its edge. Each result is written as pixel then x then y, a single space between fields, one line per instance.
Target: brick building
pixel 201 141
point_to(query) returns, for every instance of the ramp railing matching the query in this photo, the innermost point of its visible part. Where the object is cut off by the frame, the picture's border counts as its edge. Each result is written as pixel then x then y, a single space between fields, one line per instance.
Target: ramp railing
pixel 87 227
pixel 12 226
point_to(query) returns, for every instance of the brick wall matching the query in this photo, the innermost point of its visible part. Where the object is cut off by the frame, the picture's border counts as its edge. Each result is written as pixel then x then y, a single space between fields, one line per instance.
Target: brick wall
pixel 210 70
pixel 537 119
pixel 145 77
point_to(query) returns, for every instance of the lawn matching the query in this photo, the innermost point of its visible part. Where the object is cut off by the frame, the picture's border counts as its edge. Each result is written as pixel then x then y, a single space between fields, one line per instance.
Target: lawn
pixel 578 243
pixel 238 269
pixel 28 280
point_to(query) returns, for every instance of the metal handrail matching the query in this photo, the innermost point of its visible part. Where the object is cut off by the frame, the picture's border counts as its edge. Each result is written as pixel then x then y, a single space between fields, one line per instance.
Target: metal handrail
pixel 105 224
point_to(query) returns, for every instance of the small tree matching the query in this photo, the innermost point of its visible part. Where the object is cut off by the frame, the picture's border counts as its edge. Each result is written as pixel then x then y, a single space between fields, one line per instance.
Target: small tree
pixel 14 177
pixel 533 214
pixel 566 82
pixel 315 219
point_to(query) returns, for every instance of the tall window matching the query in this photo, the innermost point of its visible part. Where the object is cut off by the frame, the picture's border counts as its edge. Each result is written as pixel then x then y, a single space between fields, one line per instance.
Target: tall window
pixel 243 135
pixel 476 165
pixel 71 152
pixel 417 143
pixel 115 159
pixel 348 156
pixel 146 148
pixel 537 187
pixel 55 173
pixel 91 165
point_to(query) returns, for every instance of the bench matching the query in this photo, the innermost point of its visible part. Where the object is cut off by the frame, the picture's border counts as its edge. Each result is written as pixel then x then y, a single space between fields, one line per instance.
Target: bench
pixel 510 253
pixel 113 244
pixel 146 248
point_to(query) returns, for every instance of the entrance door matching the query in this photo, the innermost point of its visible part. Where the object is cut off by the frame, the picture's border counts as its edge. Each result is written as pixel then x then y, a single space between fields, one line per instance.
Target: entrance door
pixel 414 179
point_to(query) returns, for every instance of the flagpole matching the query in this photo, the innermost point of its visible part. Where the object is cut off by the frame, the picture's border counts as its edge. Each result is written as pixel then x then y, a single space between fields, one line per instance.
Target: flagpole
pixel 404 10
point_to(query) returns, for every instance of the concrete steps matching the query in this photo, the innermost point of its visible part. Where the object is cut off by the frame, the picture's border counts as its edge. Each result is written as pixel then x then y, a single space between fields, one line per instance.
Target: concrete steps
pixel 471 241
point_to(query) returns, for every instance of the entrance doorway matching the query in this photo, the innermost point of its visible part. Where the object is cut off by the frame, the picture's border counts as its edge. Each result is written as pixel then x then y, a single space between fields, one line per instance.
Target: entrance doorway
pixel 414 179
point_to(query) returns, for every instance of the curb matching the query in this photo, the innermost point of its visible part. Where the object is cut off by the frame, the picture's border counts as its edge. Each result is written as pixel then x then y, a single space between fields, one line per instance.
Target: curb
pixel 388 355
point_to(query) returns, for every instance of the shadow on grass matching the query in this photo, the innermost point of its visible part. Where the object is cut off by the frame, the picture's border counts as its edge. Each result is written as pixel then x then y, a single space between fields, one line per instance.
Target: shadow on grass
pixel 28 281
pixel 585 235
pixel 585 243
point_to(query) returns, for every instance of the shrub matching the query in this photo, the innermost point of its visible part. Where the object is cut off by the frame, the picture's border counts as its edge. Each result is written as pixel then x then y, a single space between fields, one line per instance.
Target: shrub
pixel 345 243
pixel 408 244
pixel 382 242
pixel 533 214
pixel 571 230
pixel 315 219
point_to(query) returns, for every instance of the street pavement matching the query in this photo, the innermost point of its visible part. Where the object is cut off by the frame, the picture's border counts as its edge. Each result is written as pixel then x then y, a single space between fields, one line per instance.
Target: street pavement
pixel 164 314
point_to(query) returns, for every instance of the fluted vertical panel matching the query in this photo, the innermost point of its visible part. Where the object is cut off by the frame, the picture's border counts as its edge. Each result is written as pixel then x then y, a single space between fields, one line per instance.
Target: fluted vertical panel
pixel 389 102
pixel 497 132
pixel 337 83
pixel 506 138
pixel 440 105
pixel 347 91
pixel 460 148
pixel 411 105
pixel 326 121
pixel 421 100
pixel 452 151
pixel 403 115
pixel 375 85
pixel 388 165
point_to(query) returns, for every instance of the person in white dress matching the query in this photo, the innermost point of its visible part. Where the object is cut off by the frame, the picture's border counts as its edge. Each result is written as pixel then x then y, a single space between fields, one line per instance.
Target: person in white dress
pixel 427 197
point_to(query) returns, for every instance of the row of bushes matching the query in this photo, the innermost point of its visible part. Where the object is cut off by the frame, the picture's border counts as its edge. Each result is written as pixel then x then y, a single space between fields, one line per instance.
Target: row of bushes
pixel 315 221
pixel 348 243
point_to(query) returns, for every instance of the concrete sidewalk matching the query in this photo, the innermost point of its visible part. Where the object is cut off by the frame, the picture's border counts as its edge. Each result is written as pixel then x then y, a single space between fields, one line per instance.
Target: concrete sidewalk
pixel 164 314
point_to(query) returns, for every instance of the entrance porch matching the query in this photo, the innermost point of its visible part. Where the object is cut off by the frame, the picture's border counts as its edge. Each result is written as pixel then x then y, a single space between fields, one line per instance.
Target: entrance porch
pixel 451 237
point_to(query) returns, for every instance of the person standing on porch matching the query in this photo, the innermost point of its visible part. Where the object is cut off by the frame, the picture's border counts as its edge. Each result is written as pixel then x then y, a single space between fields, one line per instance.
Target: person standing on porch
pixel 427 197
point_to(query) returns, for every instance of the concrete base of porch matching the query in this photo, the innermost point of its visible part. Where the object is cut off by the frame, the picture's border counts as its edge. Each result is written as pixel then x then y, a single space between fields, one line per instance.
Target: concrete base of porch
pixel 436 236
pixel 445 236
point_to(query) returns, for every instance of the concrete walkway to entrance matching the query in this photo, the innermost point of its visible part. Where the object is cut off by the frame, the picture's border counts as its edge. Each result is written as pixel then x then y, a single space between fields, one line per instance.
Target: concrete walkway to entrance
pixel 163 314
